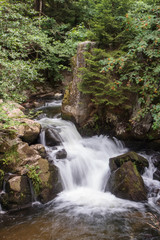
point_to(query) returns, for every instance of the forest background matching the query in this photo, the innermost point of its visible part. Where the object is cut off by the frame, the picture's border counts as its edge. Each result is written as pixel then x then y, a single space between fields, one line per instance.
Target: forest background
pixel 38 39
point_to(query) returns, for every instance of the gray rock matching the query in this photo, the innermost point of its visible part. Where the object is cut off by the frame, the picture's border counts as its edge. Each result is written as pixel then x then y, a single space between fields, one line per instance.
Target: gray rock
pixel 61 154
pixel 52 137
pixel 127 183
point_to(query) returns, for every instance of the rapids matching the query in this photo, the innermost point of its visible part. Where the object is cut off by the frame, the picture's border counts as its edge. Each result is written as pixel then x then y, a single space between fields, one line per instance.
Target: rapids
pixel 83 210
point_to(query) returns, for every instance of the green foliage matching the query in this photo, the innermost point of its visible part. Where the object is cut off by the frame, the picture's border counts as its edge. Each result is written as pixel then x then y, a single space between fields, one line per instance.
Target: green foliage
pixel 30 50
pixel 139 68
pixel 6 121
pixel 33 173
pixel 10 157
pixel 103 88
pixel 1 177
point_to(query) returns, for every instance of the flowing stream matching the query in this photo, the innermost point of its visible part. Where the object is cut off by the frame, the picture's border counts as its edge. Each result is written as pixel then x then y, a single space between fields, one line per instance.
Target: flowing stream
pixel 84 210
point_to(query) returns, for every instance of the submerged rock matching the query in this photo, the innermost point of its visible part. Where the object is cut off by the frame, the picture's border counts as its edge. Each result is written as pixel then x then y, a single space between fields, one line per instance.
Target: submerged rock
pixel 127 183
pixel 156 175
pixel 61 154
pixel 140 162
pixel 52 138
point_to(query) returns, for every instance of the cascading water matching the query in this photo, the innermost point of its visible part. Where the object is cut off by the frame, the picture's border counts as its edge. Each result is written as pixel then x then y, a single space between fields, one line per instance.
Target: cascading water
pixel 83 210
pixel 85 171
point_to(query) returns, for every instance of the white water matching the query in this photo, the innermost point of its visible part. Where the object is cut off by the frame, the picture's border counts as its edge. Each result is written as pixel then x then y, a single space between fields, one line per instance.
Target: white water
pixel 85 171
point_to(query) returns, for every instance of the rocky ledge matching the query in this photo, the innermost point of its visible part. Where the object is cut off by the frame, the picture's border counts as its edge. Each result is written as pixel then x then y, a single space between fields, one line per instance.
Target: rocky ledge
pixel 25 173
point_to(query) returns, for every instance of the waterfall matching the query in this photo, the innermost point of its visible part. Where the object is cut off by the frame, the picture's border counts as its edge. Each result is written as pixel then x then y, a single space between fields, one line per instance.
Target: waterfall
pixel 85 170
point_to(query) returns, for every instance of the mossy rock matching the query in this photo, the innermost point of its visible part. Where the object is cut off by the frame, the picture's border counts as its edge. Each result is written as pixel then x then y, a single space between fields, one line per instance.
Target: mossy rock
pixel 127 183
pixel 139 161
pixel 50 184
pixel 18 192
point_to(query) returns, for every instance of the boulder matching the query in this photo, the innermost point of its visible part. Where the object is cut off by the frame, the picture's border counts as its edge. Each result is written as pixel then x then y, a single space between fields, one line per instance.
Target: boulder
pixel 18 192
pixel 50 184
pixel 61 154
pixel 52 138
pixel 28 130
pixel 76 105
pixel 139 161
pixel 127 183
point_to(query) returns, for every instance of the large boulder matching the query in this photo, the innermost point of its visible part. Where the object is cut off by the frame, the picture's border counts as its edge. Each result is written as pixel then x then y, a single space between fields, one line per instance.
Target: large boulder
pixel 76 105
pixel 140 162
pixel 127 183
pixel 49 181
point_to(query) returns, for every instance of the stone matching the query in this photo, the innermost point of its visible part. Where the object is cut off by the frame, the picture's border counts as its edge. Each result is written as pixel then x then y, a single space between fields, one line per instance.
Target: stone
pixel 140 162
pixel 127 183
pixel 50 182
pixel 40 149
pixel 52 137
pixel 18 191
pixel 16 113
pixel 156 175
pixel 29 130
pixel 58 96
pixel 61 154
pixel 75 104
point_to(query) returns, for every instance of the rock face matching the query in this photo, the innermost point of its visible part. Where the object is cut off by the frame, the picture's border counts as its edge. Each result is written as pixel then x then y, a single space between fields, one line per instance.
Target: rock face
pixel 76 105
pixel 126 183
pixel 27 164
pixel 120 119
pixel 18 192
pixel 139 161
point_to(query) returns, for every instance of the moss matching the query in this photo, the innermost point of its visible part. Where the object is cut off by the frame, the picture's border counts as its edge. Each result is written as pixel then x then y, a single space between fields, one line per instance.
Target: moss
pixel 10 158
pixel 1 178
pixel 66 98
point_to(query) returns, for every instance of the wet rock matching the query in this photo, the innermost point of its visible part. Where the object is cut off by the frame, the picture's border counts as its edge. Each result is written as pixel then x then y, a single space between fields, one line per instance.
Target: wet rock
pixel 156 160
pixel 50 182
pixel 18 192
pixel 52 137
pixel 29 130
pixel 156 175
pixel 140 162
pixel 127 183
pixel 61 154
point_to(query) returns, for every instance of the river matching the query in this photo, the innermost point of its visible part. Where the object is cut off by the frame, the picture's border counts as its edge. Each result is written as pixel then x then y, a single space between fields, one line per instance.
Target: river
pixel 83 210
